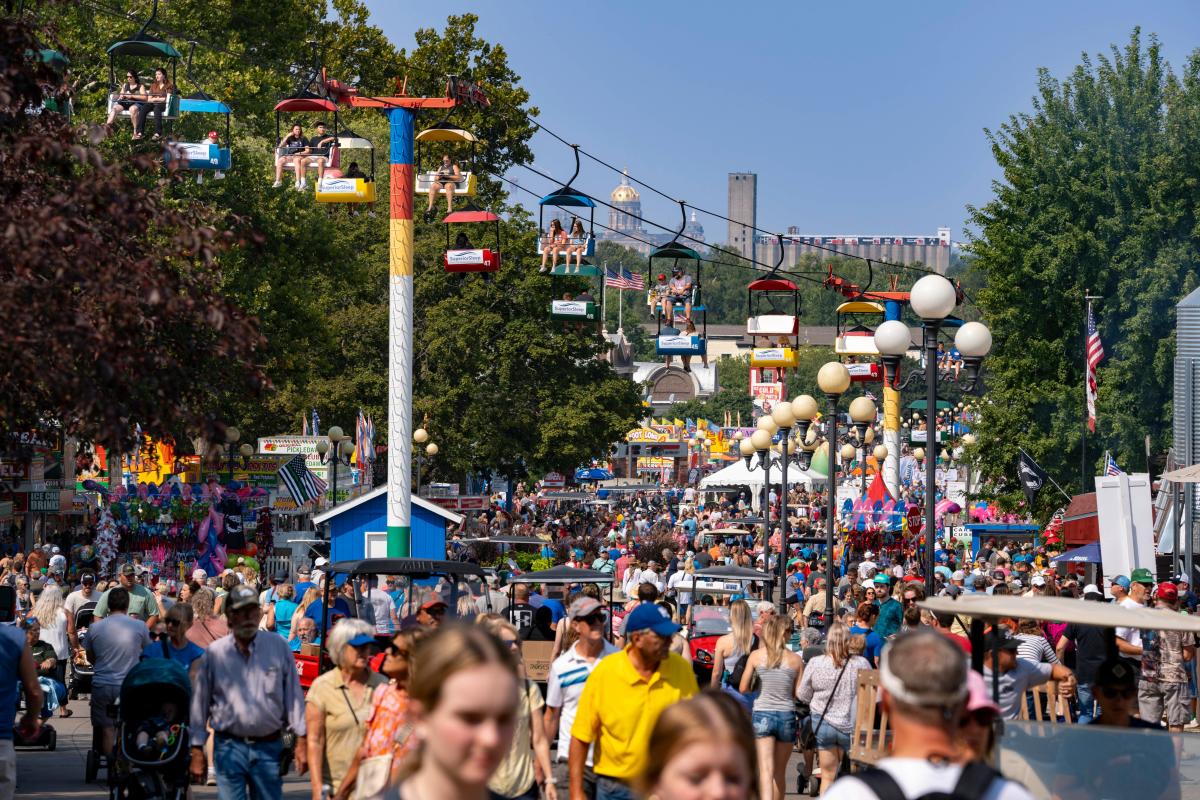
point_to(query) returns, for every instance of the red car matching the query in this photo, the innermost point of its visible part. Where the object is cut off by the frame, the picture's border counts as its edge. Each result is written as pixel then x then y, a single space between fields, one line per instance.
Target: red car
pixel 708 624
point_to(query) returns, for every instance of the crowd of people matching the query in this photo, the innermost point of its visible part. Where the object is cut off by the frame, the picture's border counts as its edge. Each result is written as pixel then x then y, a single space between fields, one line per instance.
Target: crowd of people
pixel 428 693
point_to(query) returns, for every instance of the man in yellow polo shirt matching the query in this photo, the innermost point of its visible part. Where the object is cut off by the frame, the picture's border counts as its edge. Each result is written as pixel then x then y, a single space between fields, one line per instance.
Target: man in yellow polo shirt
pixel 622 700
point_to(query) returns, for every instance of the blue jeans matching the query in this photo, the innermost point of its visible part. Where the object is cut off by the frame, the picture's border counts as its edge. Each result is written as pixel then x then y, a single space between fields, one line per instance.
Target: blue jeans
pixel 238 763
pixel 1087 703
pixel 608 789
pixel 778 725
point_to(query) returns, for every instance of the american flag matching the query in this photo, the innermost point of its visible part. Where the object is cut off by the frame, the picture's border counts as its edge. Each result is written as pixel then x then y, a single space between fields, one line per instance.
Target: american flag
pixel 1110 466
pixel 299 480
pixel 1095 354
pixel 619 278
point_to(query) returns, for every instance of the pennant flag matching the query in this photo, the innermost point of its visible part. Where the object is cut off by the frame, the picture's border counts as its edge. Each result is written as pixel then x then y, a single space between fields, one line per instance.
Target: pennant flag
pixel 303 425
pixel 300 482
pixel 316 423
pixel 1110 466
pixel 1095 354
pixel 1033 477
pixel 679 423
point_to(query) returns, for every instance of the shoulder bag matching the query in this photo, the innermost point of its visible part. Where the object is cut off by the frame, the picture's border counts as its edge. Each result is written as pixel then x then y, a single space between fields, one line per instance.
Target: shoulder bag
pixel 808 732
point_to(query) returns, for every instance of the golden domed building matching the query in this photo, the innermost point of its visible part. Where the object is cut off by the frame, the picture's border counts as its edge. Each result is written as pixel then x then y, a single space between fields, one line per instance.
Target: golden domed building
pixel 625 226
pixel 626 218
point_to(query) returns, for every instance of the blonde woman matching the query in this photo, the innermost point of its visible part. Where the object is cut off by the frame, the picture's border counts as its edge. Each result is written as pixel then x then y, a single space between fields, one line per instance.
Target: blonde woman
pixel 516 777
pixel 56 629
pixel 732 647
pixel 338 705
pixel 778 671
pixel 829 686
pixel 466 699
pixel 700 748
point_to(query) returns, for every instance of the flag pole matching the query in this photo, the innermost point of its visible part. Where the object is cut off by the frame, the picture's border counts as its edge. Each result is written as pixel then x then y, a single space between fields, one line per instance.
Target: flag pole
pixel 604 300
pixel 1086 394
pixel 621 305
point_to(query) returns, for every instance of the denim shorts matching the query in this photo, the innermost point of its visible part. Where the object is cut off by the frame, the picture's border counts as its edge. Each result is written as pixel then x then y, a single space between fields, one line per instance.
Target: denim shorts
pixel 829 737
pixel 778 725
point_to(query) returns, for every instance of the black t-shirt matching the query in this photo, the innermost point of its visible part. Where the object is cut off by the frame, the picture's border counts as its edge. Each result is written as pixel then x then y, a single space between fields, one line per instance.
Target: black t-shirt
pixel 1090 650
pixel 293 144
pixel 520 615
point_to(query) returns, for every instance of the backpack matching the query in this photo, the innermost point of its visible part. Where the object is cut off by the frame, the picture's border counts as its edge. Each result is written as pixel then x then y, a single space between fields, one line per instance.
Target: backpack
pixel 973 784
pixel 739 669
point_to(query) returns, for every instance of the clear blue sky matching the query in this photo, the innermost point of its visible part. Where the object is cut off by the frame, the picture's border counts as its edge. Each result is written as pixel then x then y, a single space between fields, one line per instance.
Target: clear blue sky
pixel 858 118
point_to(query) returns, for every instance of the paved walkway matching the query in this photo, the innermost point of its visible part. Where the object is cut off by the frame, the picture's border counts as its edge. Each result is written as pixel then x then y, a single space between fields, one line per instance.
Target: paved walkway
pixel 42 775
pixel 46 775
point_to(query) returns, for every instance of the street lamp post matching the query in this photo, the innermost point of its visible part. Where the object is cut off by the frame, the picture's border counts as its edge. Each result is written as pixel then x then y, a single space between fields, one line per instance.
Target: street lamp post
pixel 783 416
pixel 421 436
pixel 232 435
pixel 335 451
pixel 833 380
pixel 932 298
pixel 760 443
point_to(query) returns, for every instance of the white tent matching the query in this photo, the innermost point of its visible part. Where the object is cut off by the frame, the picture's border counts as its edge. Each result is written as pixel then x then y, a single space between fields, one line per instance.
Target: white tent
pixel 737 475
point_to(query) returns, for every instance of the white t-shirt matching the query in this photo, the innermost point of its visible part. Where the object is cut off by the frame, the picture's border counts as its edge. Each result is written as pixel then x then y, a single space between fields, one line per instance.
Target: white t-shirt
pixel 916 777
pixel 1131 635
pixel 568 673
pixel 677 582
pixel 865 568
pixel 75 600
pixel 381 602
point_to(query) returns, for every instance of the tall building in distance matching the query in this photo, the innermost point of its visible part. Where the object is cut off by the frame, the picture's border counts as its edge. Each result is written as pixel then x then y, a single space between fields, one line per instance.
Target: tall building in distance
pixel 743 207
pixel 930 251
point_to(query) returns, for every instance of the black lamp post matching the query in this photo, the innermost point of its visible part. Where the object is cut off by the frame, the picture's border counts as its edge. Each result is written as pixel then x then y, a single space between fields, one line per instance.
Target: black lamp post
pixel 833 379
pixel 335 450
pixel 232 435
pixel 932 298
pixel 759 443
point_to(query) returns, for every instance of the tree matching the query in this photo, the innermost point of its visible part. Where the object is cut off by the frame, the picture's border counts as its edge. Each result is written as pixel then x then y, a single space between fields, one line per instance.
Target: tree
pixel 113 310
pixel 1098 197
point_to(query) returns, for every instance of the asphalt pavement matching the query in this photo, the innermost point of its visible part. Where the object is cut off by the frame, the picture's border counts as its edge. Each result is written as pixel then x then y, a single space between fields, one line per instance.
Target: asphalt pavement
pixel 45 775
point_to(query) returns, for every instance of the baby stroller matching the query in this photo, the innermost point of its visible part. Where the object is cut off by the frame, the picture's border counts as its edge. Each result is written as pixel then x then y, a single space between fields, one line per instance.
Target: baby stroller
pixel 152 738
pixel 79 681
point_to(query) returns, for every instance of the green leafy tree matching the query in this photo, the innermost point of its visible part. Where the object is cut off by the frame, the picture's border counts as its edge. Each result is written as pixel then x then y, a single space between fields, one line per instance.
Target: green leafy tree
pixel 1098 197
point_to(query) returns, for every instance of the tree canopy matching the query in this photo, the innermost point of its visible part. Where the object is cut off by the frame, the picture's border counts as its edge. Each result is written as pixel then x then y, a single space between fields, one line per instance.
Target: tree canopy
pixel 1098 197
pixel 504 387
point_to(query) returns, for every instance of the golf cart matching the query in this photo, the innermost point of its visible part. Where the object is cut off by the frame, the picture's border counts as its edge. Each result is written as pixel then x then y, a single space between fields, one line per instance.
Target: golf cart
pixel 537 654
pixel 451 579
pixel 704 623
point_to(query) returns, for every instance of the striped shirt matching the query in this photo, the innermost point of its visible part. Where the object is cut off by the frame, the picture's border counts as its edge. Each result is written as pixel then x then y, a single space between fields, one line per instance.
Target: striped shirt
pixel 777 692
pixel 1035 648
pixel 568 674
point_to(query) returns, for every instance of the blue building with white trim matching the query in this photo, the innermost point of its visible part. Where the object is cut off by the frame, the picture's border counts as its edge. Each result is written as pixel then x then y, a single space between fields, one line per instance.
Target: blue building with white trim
pixel 358 528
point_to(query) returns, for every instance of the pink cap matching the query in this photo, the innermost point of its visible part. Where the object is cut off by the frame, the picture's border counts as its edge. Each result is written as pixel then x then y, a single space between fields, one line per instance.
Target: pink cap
pixel 978 695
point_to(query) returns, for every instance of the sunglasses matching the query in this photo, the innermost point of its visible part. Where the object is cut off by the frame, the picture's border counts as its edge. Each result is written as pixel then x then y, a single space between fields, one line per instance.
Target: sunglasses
pixel 171 622
pixel 592 619
pixel 436 611
pixel 1110 693
pixel 513 644
pixel 397 651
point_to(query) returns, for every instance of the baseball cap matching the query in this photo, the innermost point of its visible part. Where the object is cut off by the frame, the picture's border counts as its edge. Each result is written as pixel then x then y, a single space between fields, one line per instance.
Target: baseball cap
pixel 87 577
pixel 979 697
pixel 304 572
pixel 1092 592
pixel 958 575
pixel 281 576
pixel 1168 591
pixel 1142 575
pixel 240 597
pixel 1117 673
pixel 199 575
pixel 882 579
pixel 868 554
pixel 1037 580
pixel 1001 640
pixel 1016 582
pixel 361 640
pixel 127 569
pixel 1181 578
pixel 651 617
pixel 320 561
pixel 1121 581
pixel 584 607
pixel 431 600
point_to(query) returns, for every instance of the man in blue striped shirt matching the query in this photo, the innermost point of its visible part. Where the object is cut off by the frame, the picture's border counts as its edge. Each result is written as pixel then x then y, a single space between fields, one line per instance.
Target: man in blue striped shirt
pixel 568 674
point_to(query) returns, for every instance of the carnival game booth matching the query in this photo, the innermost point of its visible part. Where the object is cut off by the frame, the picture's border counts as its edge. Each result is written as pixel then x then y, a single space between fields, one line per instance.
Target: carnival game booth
pixel 981 532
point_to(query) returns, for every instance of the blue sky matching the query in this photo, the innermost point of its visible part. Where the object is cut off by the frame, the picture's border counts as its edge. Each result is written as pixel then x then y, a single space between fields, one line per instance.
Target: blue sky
pixel 857 117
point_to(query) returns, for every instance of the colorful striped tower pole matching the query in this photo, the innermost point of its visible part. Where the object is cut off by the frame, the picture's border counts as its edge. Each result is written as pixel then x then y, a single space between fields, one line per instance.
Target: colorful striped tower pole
pixel 400 333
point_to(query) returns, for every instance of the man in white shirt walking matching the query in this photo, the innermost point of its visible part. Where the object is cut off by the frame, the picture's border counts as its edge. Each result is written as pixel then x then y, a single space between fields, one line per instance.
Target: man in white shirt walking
pixel 568 674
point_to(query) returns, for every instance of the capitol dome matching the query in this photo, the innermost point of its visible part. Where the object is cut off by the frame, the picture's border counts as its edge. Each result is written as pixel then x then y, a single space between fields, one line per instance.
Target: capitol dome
pixel 625 193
